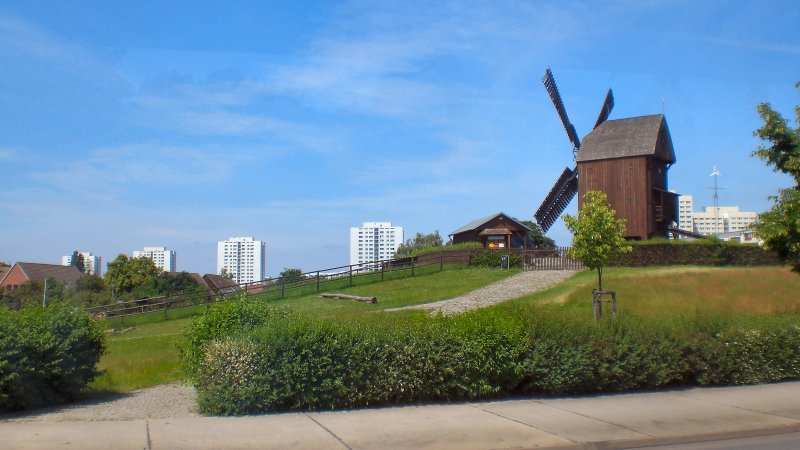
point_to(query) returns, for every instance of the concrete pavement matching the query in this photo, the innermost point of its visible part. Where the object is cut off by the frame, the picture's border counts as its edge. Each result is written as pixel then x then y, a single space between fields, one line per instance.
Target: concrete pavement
pixel 600 421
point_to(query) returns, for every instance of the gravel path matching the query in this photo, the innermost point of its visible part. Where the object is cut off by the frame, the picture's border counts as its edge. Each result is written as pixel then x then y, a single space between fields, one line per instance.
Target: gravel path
pixel 523 283
pixel 160 402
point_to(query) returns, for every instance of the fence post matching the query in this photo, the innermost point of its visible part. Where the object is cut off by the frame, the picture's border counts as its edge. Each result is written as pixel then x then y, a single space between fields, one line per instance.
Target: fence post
pixel 383 267
pixel 166 307
pixel 412 266
pixel 351 276
pixel 283 286
pixel 318 281
pixel 441 260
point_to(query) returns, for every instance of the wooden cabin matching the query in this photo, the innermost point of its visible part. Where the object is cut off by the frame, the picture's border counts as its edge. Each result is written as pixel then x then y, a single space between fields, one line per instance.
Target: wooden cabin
pixel 498 231
pixel 628 160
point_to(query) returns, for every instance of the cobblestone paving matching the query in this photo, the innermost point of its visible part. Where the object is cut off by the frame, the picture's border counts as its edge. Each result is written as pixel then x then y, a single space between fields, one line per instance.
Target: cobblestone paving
pixel 523 283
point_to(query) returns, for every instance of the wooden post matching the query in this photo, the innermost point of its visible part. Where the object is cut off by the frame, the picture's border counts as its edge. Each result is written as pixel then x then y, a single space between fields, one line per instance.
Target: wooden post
pixel 441 260
pixel 351 276
pixel 383 269
pixel 318 281
pixel 283 287
pixel 412 266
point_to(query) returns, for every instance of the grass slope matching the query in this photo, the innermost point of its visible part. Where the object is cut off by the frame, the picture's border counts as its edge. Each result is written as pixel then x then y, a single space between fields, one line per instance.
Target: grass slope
pixel 148 354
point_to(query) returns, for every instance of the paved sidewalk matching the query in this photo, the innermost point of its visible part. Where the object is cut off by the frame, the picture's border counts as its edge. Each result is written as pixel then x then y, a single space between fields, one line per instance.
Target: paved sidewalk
pixel 607 421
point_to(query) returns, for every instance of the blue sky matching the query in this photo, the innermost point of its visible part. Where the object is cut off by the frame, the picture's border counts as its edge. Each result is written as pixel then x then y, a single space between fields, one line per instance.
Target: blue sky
pixel 132 124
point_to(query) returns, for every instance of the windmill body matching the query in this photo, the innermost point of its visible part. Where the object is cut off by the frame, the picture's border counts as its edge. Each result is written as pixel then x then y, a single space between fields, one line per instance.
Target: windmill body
pixel 627 159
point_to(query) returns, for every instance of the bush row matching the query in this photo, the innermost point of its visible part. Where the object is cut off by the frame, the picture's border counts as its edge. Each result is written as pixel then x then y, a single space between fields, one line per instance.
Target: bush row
pixel 293 362
pixel 710 252
pixel 47 355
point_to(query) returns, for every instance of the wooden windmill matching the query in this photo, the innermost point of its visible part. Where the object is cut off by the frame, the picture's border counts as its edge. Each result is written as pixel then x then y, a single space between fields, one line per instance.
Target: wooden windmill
pixel 627 159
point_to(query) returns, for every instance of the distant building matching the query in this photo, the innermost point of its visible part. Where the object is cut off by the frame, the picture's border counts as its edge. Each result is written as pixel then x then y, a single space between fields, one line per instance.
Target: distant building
pixel 22 273
pixel 164 259
pixel 242 257
pixel 374 241
pixel 93 265
pixel 712 220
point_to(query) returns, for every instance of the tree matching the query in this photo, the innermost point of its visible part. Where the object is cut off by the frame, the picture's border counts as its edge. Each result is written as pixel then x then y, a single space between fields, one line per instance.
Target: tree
pixel 292 275
pixel 536 237
pixel 78 262
pixel 125 273
pixel 780 226
pixel 225 274
pixel 417 243
pixel 597 234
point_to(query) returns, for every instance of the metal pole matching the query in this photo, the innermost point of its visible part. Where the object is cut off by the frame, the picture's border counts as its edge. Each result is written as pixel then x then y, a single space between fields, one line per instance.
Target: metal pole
pixel 318 281
pixel 351 276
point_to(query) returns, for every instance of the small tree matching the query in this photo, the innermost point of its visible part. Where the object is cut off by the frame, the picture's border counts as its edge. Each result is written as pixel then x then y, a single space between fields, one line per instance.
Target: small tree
pixel 292 275
pixel 780 226
pixel 78 262
pixel 418 242
pixel 536 237
pixel 597 234
pixel 225 274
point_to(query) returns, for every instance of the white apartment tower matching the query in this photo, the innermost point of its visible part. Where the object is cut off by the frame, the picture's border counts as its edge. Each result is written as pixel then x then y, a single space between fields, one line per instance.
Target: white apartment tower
pixel 374 241
pixel 712 220
pixel 242 257
pixel 164 259
pixel 92 264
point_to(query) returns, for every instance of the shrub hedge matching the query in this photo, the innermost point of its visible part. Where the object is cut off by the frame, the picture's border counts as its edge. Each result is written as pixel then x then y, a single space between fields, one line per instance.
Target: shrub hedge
pixel 47 355
pixel 296 362
pixel 706 252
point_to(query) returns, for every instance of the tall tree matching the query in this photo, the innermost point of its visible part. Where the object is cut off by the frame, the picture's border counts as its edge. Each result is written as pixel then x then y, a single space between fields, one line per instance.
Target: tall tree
pixel 596 233
pixel 418 242
pixel 780 226
pixel 291 275
pixel 78 262
pixel 125 273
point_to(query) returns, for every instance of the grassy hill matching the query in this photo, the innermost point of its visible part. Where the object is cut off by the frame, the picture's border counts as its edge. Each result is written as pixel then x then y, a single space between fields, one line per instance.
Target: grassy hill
pixel 148 355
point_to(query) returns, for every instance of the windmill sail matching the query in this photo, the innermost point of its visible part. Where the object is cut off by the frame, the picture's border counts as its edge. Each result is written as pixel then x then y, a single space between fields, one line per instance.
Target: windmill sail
pixel 557 199
pixel 552 89
pixel 605 110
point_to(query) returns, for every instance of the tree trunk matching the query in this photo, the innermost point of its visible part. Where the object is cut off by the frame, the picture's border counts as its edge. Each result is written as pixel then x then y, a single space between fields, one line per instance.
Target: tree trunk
pixel 600 278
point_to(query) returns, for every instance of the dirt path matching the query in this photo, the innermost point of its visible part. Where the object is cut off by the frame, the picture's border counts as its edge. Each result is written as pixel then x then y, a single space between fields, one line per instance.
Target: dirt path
pixel 524 283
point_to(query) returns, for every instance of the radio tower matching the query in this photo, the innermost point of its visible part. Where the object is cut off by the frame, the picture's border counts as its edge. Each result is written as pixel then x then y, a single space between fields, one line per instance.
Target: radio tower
pixel 716 175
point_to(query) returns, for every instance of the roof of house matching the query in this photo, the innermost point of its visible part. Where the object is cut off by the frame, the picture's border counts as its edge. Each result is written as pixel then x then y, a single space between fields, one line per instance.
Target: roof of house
pixel 483 220
pixel 193 275
pixel 634 136
pixel 3 272
pixel 41 272
pixel 217 282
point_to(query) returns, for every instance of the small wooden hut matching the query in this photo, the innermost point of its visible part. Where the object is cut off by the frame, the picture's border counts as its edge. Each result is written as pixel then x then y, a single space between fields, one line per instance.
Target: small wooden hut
pixel 497 231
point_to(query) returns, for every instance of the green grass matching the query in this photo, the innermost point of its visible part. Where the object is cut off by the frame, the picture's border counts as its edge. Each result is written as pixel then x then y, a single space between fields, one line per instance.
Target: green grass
pixel 397 293
pixel 147 354
pixel 684 290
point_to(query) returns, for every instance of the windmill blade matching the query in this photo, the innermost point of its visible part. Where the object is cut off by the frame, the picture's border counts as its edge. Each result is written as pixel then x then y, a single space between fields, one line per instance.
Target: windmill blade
pixel 552 89
pixel 608 105
pixel 557 199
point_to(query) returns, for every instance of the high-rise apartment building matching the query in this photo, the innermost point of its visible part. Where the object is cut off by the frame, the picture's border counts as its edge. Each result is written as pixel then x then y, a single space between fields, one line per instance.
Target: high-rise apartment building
pixel 92 265
pixel 712 220
pixel 164 259
pixel 374 241
pixel 242 257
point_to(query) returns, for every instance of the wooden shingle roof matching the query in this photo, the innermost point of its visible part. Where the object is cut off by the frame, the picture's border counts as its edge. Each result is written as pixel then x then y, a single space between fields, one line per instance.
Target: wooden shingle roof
pixel 41 272
pixel 623 138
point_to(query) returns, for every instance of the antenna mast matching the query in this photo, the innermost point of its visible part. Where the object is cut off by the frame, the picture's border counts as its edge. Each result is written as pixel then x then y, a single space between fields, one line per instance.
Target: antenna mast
pixel 716 175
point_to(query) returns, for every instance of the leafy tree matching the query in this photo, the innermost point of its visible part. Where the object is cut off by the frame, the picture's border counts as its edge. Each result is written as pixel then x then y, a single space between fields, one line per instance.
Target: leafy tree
pixel 78 262
pixel 225 274
pixel 418 242
pixel 780 226
pixel 125 273
pixel 90 283
pixel 291 275
pixel 536 237
pixel 597 234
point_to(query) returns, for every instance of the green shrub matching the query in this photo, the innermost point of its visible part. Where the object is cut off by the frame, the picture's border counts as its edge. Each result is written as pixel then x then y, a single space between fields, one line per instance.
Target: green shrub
pixel 47 355
pixel 304 363
pixel 223 320
pixel 491 258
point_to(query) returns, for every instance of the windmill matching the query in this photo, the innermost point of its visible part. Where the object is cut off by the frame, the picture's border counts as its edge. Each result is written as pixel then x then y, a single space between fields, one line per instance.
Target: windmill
pixel 627 159
pixel 565 188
